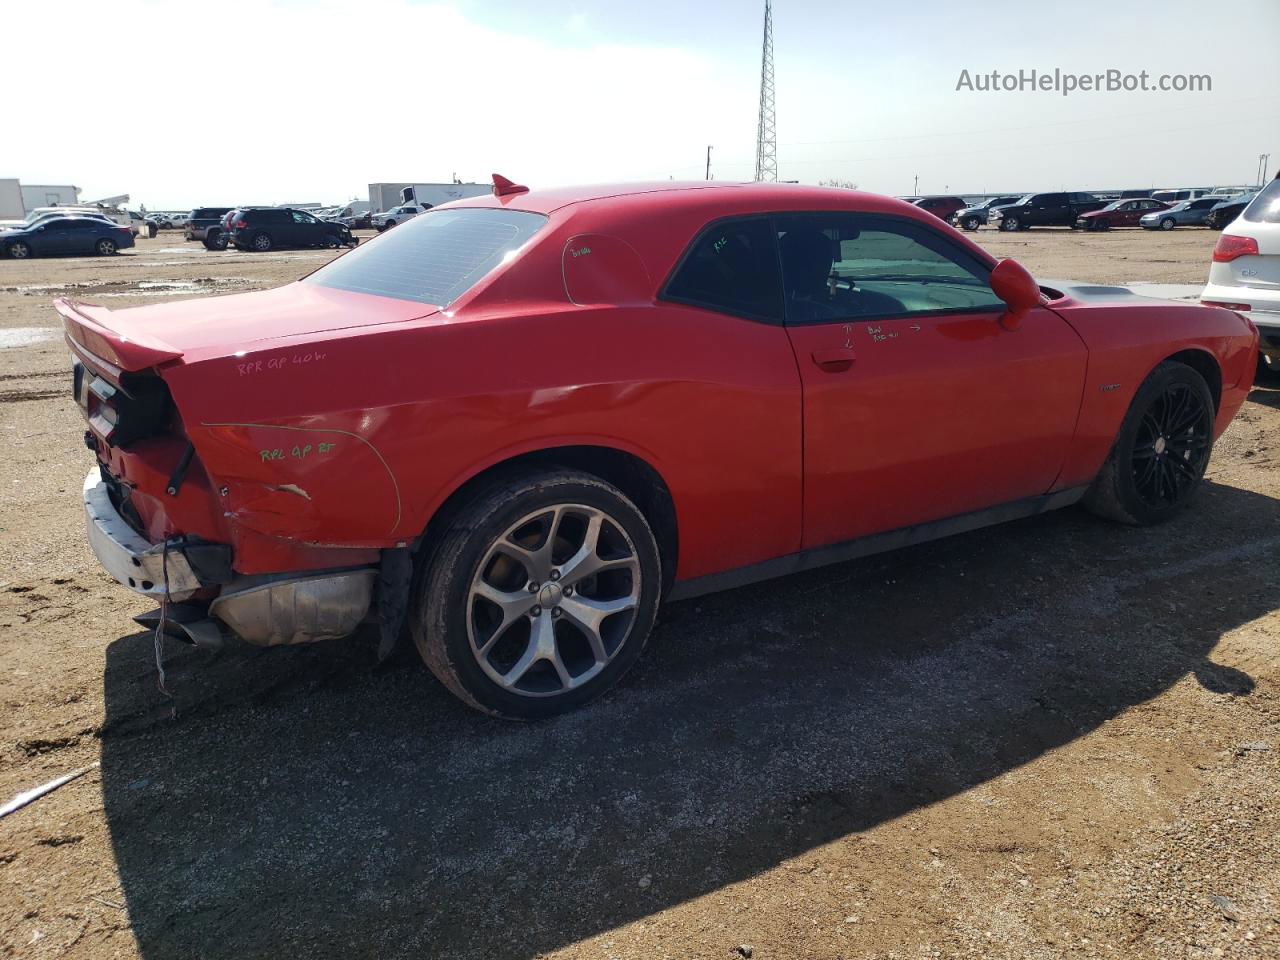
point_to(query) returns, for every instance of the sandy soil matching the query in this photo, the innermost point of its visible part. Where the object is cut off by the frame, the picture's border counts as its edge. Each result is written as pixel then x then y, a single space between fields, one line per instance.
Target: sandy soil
pixel 1056 738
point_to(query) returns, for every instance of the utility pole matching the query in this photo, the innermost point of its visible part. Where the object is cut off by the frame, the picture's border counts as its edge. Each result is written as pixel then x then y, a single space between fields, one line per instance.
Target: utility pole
pixel 915 187
pixel 708 161
pixel 766 129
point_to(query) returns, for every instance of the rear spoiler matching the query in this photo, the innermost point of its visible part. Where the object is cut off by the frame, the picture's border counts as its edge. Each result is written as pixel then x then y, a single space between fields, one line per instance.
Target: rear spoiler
pixel 87 326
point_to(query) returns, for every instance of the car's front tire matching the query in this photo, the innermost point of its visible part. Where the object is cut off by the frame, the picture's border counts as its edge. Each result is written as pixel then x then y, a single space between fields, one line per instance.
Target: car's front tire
pixel 1167 223
pixel 1158 461
pixel 539 595
pixel 19 250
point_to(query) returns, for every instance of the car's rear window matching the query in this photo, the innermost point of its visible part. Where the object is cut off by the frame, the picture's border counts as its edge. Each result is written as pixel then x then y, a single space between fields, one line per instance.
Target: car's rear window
pixel 205 213
pixel 1265 207
pixel 433 258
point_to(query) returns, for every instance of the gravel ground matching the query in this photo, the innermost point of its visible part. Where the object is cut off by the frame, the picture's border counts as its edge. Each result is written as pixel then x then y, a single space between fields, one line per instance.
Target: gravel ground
pixel 1055 738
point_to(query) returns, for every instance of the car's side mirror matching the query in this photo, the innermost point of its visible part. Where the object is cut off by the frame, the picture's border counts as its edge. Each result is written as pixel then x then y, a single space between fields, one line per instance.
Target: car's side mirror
pixel 1011 282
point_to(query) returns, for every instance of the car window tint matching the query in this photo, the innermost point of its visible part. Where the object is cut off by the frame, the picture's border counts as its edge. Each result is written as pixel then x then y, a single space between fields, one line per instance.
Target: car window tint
pixel 300 217
pixel 841 266
pixel 732 267
pixel 434 258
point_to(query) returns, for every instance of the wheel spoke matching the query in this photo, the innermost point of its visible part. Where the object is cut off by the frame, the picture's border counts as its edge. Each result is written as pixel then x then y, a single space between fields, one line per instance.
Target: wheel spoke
pixel 513 604
pixel 588 615
pixel 586 560
pixel 1186 468
pixel 536 562
pixel 521 666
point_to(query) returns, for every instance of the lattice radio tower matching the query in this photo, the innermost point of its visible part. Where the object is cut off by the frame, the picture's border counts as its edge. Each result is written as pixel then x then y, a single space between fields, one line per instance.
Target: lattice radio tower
pixel 766 131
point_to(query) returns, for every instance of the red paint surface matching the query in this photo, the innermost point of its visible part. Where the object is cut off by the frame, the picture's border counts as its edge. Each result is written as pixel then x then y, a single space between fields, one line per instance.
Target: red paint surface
pixel 337 423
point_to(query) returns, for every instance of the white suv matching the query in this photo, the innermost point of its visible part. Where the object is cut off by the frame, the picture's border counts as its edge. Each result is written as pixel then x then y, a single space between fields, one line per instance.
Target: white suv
pixel 400 214
pixel 1245 273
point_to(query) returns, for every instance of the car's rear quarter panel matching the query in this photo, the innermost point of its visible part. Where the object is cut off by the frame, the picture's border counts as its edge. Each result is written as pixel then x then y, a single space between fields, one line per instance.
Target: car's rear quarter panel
pixel 1128 337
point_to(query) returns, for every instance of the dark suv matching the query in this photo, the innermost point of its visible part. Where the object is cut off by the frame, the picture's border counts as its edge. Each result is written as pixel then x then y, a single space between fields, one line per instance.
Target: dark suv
pixel 201 219
pixel 1045 210
pixel 266 228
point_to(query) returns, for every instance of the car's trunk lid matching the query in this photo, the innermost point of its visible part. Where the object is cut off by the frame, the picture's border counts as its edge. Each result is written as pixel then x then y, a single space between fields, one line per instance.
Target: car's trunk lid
pixel 141 337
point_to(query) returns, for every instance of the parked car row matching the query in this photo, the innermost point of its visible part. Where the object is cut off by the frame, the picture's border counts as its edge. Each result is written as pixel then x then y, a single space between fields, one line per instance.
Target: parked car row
pixel 1152 209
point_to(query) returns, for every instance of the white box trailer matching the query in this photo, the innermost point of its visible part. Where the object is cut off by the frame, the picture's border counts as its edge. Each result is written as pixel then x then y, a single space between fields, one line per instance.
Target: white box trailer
pixel 384 196
pixel 17 199
pixel 49 195
pixel 11 205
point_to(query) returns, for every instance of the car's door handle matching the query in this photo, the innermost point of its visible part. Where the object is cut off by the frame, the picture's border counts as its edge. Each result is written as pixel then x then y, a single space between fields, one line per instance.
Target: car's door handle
pixel 834 359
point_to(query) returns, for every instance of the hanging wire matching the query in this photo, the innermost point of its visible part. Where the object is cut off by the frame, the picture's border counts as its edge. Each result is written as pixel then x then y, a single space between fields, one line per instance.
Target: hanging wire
pixel 158 640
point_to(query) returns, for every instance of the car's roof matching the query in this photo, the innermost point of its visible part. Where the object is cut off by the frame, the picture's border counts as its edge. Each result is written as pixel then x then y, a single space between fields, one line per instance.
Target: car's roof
pixel 731 198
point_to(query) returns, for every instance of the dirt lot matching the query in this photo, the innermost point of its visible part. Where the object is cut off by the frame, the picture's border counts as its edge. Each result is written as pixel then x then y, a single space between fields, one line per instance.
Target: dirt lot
pixel 1056 738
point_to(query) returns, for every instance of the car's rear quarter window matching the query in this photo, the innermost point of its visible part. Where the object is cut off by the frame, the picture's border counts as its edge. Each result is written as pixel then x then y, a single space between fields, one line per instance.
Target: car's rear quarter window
pixel 433 258
pixel 1265 207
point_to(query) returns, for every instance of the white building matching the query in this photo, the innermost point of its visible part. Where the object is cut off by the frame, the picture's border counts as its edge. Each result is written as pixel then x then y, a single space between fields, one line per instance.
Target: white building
pixel 17 199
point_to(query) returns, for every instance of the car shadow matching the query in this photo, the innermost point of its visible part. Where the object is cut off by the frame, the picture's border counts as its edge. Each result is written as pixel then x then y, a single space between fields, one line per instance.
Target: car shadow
pixel 299 802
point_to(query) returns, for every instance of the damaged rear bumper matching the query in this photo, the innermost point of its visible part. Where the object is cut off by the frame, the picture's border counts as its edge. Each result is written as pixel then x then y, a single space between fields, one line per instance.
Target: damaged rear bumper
pixel 264 610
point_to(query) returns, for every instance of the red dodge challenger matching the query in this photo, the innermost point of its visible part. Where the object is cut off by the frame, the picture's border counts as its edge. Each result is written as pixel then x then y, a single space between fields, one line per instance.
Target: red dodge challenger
pixel 517 423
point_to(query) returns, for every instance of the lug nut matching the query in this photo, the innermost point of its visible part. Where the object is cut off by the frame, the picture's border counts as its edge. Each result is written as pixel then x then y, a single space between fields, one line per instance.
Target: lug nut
pixel 555 614
pixel 535 612
pixel 555 574
pixel 533 586
pixel 568 591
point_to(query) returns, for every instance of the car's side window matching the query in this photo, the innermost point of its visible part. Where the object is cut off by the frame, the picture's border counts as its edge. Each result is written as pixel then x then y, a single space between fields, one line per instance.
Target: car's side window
pixel 837 267
pixel 300 217
pixel 732 266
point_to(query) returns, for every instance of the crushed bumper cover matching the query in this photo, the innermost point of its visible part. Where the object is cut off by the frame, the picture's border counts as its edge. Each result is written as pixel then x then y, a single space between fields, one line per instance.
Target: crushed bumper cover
pixel 264 610
pixel 133 560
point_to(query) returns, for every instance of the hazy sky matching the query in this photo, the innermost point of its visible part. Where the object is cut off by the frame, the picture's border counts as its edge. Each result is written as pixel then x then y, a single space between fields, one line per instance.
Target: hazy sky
pixel 260 101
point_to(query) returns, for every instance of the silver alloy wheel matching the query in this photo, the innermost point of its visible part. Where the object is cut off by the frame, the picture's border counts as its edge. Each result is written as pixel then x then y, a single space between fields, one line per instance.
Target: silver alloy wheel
pixel 262 242
pixel 553 600
pixel 106 247
pixel 19 251
pixel 1166 223
pixel 1009 224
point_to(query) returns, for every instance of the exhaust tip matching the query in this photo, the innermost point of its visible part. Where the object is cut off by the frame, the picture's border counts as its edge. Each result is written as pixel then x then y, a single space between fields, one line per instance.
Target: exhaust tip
pixel 187 622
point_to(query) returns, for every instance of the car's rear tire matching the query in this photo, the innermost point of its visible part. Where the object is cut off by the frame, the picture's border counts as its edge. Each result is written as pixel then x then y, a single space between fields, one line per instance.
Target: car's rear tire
pixel 1268 370
pixel 1010 224
pixel 261 242
pixel 539 595
pixel 1157 463
pixel 105 247
pixel 19 250
pixel 1167 223
pixel 971 223
pixel 215 239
